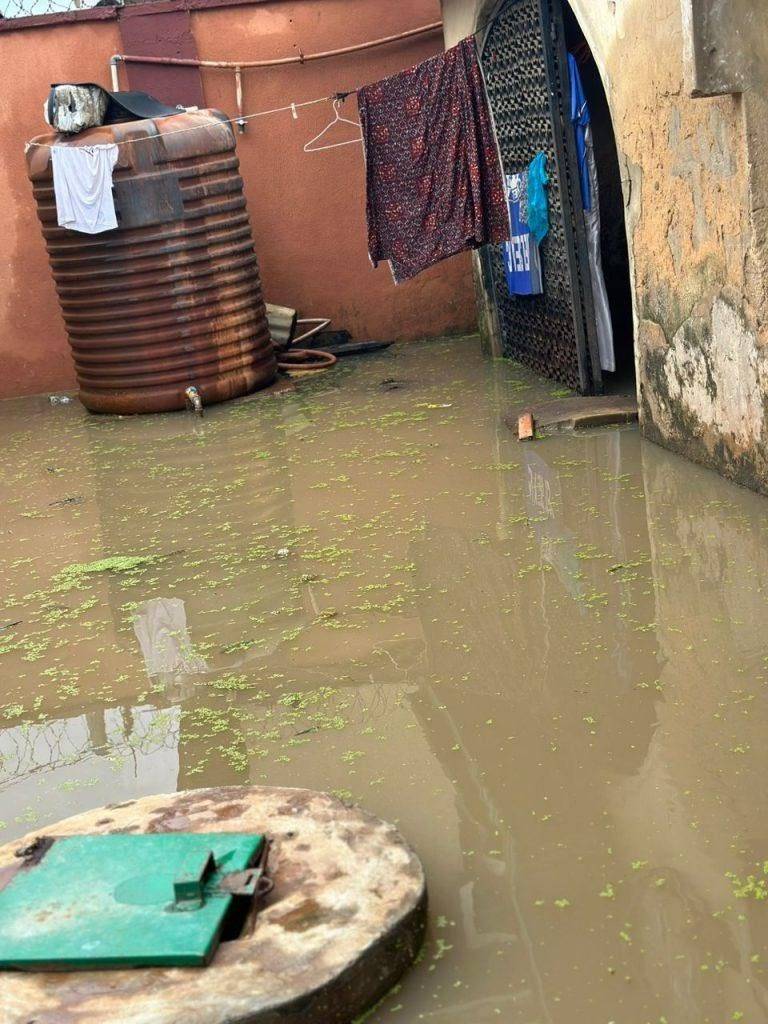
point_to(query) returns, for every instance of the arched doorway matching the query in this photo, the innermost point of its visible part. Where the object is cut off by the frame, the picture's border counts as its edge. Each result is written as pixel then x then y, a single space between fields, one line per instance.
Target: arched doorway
pixel 560 332
pixel 614 247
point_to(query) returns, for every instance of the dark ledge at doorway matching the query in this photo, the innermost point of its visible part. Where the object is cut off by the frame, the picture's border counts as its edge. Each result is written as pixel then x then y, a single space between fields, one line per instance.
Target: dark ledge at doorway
pixel 579 413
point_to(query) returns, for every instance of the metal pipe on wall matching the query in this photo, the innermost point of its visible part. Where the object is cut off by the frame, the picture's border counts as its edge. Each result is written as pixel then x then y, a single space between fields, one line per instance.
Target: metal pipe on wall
pixel 301 58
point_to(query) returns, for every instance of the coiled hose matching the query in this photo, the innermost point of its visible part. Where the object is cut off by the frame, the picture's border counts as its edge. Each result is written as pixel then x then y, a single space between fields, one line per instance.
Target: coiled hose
pixel 306 360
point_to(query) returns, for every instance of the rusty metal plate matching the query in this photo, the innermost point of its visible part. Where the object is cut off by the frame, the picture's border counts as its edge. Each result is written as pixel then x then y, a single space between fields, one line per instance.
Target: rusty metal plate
pixel 147 200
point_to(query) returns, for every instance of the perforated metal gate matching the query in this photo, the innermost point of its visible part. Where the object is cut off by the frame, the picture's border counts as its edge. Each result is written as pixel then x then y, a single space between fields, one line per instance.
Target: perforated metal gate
pixel 525 65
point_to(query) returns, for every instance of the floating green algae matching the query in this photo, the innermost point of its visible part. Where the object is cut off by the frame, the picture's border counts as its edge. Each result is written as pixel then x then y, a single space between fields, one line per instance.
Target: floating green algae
pixel 73 575
pixel 419 615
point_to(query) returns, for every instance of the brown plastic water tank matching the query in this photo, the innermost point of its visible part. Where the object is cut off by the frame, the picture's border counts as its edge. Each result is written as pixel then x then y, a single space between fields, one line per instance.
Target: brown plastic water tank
pixel 172 297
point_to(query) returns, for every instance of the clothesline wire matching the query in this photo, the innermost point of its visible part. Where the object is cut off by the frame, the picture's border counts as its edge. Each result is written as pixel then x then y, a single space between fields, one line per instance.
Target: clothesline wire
pixel 292 107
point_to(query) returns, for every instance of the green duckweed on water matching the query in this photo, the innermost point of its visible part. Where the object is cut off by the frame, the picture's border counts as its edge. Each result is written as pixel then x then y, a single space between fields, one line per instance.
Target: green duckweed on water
pixel 543 662
pixel 75 575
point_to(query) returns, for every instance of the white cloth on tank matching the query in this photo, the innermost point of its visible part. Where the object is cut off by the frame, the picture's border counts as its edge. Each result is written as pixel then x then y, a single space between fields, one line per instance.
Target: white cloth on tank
pixel 82 182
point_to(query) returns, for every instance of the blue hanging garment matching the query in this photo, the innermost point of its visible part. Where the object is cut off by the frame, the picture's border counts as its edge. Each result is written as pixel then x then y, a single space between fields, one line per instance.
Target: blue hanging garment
pixel 538 200
pixel 522 263
pixel 580 119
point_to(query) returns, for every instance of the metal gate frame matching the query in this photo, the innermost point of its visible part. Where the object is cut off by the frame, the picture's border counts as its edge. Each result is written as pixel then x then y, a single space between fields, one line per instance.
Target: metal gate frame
pixel 579 368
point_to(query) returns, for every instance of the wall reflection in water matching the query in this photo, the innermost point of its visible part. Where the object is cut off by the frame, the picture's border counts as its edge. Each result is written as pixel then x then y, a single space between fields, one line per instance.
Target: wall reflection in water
pixel 601 821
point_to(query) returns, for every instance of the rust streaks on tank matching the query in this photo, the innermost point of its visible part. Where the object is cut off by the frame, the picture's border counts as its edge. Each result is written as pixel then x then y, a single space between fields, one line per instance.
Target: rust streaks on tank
pixel 172 298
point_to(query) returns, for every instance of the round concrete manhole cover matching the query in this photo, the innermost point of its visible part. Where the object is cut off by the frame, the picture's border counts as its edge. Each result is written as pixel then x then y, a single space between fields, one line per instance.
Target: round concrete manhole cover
pixel 345 919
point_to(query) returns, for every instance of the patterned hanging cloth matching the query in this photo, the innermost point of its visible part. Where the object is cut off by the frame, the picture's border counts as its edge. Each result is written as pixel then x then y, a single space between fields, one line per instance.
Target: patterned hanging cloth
pixel 433 174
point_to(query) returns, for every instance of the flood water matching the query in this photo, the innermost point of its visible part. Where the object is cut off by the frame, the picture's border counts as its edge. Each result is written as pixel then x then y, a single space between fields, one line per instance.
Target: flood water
pixel 548 663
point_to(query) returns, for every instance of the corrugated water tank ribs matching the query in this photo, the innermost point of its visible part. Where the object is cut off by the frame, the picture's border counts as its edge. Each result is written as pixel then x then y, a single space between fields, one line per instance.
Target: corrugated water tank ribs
pixel 172 298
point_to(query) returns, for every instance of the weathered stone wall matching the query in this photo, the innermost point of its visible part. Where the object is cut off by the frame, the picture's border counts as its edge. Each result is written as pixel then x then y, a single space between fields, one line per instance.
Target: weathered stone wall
pixel 695 181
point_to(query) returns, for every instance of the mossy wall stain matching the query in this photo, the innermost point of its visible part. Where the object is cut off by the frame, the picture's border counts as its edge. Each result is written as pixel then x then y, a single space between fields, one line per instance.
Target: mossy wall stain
pixel 701 371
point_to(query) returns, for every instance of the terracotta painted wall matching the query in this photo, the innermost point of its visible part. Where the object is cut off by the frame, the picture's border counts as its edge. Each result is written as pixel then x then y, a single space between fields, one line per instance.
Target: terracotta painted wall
pixel 34 354
pixel 307 211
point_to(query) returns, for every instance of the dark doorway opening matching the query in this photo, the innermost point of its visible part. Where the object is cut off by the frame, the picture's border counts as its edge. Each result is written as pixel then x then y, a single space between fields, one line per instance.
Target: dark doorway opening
pixel 569 325
pixel 613 233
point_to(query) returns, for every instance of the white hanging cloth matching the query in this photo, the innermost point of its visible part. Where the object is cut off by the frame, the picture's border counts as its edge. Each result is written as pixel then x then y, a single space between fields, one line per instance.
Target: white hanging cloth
pixel 82 183
pixel 603 321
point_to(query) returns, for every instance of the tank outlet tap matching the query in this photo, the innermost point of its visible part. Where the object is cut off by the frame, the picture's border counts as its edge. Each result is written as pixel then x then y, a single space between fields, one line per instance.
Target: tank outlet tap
pixel 194 401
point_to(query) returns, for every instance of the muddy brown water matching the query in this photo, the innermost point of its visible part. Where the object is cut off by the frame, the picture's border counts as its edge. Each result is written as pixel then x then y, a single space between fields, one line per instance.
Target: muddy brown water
pixel 548 663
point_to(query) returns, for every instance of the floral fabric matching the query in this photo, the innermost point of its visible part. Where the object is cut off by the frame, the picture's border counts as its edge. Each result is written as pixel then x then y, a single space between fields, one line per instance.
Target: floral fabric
pixel 434 183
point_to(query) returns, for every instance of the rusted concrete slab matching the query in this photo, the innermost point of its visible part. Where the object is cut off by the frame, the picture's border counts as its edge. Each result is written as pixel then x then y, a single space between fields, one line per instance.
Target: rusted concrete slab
pixel 577 413
pixel 345 919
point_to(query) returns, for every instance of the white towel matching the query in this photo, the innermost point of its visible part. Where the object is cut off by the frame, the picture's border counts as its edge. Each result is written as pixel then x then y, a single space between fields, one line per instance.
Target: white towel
pixel 82 181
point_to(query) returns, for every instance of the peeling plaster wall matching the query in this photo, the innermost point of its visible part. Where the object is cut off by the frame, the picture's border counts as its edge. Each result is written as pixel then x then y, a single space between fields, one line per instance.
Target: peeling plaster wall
pixel 695 181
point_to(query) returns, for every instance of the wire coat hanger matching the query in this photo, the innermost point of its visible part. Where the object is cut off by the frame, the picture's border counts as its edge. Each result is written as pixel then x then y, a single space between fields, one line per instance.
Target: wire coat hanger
pixel 310 147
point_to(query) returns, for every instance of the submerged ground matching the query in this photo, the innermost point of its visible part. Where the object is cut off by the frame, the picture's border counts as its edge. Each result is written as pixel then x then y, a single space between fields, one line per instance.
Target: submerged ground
pixel 548 663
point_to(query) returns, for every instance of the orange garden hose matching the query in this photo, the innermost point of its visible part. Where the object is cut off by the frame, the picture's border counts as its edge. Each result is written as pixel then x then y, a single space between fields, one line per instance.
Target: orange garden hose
pixel 305 360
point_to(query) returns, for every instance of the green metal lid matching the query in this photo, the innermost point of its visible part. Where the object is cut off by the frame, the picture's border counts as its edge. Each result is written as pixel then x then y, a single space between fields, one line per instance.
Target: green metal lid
pixel 83 902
